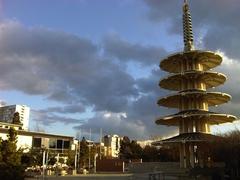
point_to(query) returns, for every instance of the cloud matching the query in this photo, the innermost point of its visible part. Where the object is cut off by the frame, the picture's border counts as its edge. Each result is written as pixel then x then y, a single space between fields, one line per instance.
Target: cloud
pixel 125 51
pixel 3 103
pixel 78 73
pixel 138 121
pixel 119 123
pixel 113 122
pixel 72 71
pixel 230 67
pixel 48 119
pixel 62 67
pixel 76 108
pixel 210 27
pixel 219 19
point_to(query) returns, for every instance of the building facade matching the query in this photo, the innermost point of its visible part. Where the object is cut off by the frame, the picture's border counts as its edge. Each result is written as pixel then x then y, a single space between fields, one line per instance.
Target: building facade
pixel 7 114
pixel 38 140
pixel 112 145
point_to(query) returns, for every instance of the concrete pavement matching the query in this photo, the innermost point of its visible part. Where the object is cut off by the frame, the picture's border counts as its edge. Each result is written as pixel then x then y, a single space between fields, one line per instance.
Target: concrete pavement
pixel 88 176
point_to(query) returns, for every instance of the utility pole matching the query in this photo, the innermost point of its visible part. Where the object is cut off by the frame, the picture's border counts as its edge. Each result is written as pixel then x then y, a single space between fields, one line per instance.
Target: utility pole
pixel 100 146
pixel 79 146
pixel 89 150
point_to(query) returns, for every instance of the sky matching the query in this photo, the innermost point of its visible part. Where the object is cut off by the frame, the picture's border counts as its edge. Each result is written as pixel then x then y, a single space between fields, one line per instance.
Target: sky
pixel 81 64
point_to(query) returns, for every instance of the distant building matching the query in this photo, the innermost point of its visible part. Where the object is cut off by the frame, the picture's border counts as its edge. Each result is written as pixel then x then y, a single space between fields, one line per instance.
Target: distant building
pixel 37 140
pixel 112 145
pixel 144 143
pixel 7 114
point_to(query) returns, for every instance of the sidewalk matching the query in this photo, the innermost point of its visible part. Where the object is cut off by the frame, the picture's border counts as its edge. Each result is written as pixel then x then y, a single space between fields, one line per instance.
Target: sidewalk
pixel 87 176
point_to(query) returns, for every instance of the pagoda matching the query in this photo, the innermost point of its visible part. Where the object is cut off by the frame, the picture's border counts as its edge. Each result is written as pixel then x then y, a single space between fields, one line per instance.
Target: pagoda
pixel 191 77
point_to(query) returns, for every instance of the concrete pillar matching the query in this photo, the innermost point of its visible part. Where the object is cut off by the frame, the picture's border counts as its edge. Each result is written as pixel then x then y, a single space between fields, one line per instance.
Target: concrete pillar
pixel 198 126
pixel 190 125
pixel 185 127
pixel 203 124
pixel 184 156
pixel 208 128
pixel 181 155
pixel 191 155
pixel 187 156
pixel 181 126
pixel 194 125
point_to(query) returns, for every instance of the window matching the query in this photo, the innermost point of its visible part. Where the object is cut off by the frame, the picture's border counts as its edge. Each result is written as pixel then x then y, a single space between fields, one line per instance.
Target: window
pixel 59 144
pixel 66 144
pixel 37 142
pixel 52 143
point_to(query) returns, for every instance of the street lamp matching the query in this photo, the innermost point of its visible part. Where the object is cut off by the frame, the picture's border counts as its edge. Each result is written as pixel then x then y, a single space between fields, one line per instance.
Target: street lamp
pixel 95 162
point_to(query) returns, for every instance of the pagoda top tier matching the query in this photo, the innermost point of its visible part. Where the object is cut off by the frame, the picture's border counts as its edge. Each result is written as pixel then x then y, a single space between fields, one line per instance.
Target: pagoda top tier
pixel 203 60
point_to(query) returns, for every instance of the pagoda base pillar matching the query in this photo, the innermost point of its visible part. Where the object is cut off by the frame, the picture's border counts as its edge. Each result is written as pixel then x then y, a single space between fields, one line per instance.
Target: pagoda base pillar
pixel 187 155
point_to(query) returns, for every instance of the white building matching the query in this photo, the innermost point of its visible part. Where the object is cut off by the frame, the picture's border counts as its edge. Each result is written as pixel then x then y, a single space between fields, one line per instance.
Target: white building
pixel 37 140
pixel 112 145
pixel 7 113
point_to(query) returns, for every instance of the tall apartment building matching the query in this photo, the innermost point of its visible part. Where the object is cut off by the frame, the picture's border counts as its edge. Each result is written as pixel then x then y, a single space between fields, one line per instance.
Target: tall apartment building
pixel 112 144
pixel 7 113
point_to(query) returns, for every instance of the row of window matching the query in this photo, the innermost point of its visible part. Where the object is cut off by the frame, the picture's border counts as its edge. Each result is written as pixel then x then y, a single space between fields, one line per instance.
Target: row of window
pixel 53 143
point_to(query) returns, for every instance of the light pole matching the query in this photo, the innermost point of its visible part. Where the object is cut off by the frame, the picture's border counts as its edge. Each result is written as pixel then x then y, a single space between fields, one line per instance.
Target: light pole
pixel 89 150
pixel 95 162
pixel 89 157
pixel 100 146
pixel 75 160
pixel 43 163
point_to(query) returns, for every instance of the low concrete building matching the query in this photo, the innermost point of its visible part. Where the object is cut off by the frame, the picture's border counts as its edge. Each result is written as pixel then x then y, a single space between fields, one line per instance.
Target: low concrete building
pixel 38 140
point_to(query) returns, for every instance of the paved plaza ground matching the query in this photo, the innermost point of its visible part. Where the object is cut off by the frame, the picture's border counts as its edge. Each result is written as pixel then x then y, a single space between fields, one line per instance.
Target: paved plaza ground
pixel 88 176
pixel 143 176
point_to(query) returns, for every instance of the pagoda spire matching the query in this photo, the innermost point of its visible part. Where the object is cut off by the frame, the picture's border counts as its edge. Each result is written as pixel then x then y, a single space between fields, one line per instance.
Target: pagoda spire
pixel 187 28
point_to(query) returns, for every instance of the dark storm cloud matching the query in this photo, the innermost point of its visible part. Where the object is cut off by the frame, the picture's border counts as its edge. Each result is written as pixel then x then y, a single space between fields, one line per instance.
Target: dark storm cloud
pixel 230 68
pixel 76 108
pixel 125 51
pixel 71 70
pixel 150 84
pixel 62 67
pixel 139 118
pixel 142 111
pixel 119 123
pixel 220 19
pixel 116 123
pixel 48 119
